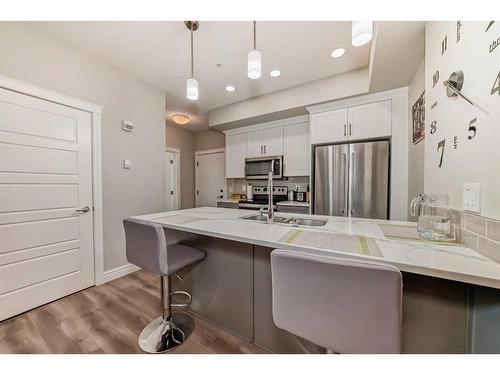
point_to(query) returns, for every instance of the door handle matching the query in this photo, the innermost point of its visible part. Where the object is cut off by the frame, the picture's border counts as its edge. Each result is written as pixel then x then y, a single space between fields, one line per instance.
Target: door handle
pixel 351 193
pixel 83 209
pixel 346 184
pixel 264 149
pixel 345 130
pixel 350 129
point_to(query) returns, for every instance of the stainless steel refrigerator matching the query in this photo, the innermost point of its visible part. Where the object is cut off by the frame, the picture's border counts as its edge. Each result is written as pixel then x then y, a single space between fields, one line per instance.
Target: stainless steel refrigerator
pixel 352 179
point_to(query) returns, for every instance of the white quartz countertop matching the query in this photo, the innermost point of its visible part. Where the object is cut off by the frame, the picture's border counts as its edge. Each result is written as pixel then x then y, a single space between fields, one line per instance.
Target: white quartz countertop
pixel 392 242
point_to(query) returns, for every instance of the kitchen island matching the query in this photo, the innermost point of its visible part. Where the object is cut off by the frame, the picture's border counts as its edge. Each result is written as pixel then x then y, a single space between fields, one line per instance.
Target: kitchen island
pixel 232 286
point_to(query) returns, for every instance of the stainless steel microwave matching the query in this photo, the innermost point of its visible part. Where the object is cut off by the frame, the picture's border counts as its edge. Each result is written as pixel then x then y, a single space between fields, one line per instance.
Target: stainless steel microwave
pixel 259 168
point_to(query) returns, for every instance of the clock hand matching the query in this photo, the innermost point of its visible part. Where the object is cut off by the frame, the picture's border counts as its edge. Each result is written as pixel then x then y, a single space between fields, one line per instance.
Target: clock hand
pixel 452 87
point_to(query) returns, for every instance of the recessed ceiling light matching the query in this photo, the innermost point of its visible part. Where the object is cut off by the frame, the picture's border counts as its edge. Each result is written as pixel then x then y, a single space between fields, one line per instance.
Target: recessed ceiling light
pixel 180 119
pixel 362 32
pixel 275 73
pixel 337 52
pixel 230 88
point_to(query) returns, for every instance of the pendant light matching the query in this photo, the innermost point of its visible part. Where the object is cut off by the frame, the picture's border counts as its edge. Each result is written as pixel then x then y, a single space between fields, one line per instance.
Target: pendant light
pixel 254 58
pixel 192 83
pixel 362 32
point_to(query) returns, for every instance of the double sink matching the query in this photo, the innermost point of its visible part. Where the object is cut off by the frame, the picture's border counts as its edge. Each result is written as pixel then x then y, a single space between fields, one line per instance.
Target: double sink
pixel 289 220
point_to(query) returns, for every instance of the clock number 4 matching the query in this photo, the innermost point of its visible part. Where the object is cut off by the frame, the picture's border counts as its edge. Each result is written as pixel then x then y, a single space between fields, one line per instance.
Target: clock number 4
pixel 496 85
pixel 441 146
pixel 472 128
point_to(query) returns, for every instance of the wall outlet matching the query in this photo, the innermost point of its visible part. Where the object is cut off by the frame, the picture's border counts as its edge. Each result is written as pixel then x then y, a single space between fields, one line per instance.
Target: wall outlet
pixel 297 187
pixel 127 164
pixel 472 197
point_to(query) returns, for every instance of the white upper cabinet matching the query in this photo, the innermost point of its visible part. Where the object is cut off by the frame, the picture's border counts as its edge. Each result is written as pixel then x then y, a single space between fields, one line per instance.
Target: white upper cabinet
pixel 329 126
pixel 236 152
pixel 266 142
pixel 273 141
pixel 370 120
pixel 255 144
pixel 297 150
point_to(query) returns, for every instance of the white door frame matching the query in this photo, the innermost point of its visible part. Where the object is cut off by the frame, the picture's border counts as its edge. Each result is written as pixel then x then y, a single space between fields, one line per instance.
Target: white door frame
pixel 96 112
pixel 196 155
pixel 178 185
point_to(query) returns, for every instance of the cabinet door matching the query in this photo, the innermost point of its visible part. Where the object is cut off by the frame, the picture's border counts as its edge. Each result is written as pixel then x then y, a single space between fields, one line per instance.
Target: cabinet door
pixel 328 127
pixel 235 155
pixel 370 120
pixel 255 144
pixel 273 141
pixel 297 150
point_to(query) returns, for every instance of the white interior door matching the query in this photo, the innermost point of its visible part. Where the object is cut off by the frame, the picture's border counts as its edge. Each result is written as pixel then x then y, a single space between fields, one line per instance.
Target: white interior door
pixel 46 246
pixel 173 180
pixel 210 179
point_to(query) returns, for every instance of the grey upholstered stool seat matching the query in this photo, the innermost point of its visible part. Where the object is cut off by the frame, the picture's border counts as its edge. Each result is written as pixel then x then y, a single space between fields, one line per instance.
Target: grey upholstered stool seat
pixel 147 248
pixel 343 304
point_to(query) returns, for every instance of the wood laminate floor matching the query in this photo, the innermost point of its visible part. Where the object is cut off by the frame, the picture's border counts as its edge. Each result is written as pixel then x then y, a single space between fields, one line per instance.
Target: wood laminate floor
pixel 107 319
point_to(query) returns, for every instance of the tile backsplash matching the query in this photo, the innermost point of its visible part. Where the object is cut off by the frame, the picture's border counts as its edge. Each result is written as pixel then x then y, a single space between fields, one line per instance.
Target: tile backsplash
pixel 477 232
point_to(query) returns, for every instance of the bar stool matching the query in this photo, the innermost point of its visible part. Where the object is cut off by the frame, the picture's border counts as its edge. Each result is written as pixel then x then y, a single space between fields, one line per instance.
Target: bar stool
pixel 147 248
pixel 344 305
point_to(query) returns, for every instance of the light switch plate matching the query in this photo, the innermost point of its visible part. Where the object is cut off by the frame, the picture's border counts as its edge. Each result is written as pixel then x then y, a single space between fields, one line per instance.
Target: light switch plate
pixel 472 197
pixel 128 126
pixel 127 164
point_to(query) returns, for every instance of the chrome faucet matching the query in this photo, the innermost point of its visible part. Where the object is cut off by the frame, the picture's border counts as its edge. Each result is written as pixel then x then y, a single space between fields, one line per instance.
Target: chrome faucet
pixel 270 209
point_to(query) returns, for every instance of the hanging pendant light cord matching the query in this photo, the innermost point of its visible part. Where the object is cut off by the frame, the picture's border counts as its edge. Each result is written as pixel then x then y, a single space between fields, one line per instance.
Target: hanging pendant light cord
pixel 254 34
pixel 192 69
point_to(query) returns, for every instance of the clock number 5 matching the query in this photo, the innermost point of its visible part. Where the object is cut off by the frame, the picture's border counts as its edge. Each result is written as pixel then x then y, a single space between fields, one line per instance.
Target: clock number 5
pixel 496 85
pixel 441 146
pixel 472 128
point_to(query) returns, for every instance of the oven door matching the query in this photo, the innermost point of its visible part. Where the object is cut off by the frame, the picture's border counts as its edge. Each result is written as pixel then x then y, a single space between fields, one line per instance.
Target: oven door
pixel 259 168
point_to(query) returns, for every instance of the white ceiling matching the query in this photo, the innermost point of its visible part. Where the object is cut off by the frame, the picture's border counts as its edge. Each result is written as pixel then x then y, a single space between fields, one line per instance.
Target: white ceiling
pixel 159 53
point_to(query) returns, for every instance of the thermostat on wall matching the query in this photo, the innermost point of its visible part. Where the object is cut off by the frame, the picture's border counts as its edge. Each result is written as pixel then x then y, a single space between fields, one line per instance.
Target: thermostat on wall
pixel 128 126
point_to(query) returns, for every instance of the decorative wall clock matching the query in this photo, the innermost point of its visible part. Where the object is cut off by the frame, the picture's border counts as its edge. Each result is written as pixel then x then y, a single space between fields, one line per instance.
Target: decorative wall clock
pixel 463 86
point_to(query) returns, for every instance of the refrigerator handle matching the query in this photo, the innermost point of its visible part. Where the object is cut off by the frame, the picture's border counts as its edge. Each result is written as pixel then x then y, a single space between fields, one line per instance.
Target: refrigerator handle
pixel 346 183
pixel 351 193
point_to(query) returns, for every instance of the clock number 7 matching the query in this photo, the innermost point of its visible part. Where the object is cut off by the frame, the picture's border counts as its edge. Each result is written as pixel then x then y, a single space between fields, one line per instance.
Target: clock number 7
pixel 472 128
pixel 441 146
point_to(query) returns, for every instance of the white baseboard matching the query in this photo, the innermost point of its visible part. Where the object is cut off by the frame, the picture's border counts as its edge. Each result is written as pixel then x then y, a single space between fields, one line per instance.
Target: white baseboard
pixel 117 272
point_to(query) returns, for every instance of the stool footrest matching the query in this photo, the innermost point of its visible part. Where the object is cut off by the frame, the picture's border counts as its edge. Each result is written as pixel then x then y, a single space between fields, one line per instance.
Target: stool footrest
pixel 185 304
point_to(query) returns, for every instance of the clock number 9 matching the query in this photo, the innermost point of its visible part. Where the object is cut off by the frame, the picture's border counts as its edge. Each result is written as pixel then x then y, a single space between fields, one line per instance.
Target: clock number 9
pixel 472 128
pixel 435 78
pixel 441 146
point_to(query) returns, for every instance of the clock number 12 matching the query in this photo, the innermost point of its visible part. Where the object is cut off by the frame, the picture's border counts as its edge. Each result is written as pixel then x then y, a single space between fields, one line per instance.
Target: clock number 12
pixel 441 146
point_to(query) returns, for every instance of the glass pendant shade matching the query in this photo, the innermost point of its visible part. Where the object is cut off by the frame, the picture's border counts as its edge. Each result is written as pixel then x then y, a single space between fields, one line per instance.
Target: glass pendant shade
pixel 254 64
pixel 192 89
pixel 362 32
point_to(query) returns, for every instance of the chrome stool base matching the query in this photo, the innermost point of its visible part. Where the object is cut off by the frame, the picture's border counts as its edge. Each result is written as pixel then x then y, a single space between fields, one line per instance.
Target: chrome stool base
pixel 161 335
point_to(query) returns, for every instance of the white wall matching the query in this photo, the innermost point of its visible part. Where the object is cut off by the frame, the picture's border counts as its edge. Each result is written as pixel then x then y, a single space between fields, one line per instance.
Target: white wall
pixel 29 55
pixel 415 151
pixel 478 159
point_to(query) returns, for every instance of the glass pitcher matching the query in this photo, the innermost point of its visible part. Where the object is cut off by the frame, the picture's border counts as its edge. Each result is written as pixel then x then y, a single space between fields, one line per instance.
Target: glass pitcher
pixel 433 216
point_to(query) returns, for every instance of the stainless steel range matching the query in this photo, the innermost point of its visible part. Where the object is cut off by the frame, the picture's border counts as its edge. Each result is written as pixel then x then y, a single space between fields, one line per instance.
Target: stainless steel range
pixel 260 197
